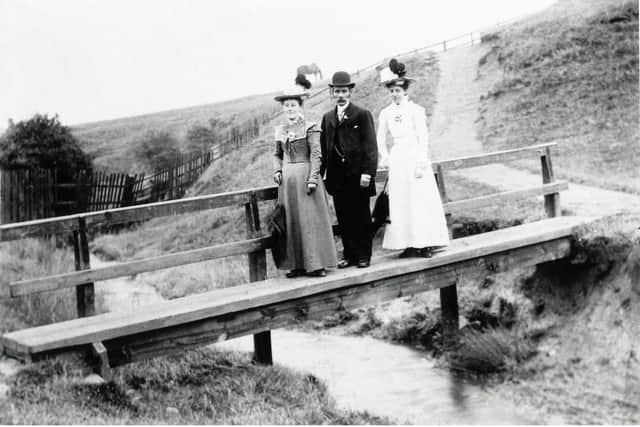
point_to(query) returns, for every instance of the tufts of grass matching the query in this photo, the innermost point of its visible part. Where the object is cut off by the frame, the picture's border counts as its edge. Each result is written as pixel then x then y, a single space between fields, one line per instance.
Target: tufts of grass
pixel 489 351
pixel 198 387
pixel 420 328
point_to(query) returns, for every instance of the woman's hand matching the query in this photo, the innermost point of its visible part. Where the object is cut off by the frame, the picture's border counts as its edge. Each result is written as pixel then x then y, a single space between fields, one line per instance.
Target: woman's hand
pixel 419 172
pixel 311 187
pixel 277 178
pixel 383 163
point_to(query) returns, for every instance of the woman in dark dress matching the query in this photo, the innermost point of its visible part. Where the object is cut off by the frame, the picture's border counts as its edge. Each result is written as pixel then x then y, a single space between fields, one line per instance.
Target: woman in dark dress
pixel 310 246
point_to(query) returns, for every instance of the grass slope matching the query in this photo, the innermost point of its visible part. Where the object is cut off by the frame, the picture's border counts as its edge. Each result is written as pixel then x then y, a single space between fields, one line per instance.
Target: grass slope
pixel 569 74
pixel 111 142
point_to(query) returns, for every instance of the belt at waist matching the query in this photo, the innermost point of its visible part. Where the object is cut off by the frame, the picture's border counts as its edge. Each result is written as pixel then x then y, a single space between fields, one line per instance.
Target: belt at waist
pixel 297 161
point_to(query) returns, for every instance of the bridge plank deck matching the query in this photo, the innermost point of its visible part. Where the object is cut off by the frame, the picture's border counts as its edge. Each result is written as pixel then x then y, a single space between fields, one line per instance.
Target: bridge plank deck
pixel 194 308
pixel 176 339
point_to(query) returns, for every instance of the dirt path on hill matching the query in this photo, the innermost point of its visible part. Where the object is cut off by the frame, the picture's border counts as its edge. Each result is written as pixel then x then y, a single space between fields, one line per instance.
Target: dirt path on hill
pixel 453 134
pixel 453 131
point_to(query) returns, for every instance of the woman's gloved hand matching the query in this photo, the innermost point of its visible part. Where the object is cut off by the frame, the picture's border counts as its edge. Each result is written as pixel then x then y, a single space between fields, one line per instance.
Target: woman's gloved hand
pixel 383 163
pixel 419 172
pixel 277 178
pixel 311 187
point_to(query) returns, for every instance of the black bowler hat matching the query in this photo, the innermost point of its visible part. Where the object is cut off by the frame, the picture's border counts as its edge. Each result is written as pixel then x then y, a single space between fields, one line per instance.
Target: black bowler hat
pixel 341 79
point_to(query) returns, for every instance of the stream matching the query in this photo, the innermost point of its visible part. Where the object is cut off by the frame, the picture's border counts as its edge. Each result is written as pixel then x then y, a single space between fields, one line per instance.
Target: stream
pixel 361 373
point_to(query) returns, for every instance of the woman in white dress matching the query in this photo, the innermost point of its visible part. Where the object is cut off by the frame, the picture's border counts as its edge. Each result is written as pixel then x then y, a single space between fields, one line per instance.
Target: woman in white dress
pixel 417 221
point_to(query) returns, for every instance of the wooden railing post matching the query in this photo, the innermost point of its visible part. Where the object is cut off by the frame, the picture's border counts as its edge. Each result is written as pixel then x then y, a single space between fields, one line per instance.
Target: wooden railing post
pixel 551 201
pixel 439 175
pixel 257 271
pixel 85 297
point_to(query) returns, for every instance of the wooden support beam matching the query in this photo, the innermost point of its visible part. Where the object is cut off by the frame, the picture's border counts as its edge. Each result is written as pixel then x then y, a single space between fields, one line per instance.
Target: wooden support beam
pixel 85 293
pixel 103 367
pixel 551 201
pixel 258 272
pixel 449 315
pixel 439 173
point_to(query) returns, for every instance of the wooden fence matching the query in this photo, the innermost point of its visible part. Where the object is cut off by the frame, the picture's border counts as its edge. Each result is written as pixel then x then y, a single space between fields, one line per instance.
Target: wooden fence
pixel 28 194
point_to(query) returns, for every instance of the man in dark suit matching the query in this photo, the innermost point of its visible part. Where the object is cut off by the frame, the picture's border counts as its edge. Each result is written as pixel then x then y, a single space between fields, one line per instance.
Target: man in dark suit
pixel 350 158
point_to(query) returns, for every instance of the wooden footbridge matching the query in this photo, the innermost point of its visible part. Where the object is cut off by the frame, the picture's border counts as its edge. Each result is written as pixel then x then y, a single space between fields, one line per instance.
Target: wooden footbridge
pixel 117 338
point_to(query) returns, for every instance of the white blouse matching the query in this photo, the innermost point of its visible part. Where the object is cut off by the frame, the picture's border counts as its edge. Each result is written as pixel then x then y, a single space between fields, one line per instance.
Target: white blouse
pixel 407 124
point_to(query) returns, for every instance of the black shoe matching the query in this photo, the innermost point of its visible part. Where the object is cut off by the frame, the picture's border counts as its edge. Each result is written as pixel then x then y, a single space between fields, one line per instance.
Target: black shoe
pixel 344 263
pixel 294 273
pixel 321 272
pixel 408 253
pixel 364 263
pixel 425 252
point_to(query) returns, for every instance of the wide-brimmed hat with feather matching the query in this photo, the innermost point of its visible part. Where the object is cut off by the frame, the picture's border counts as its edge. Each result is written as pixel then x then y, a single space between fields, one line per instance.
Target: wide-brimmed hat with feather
pixel 299 91
pixel 394 74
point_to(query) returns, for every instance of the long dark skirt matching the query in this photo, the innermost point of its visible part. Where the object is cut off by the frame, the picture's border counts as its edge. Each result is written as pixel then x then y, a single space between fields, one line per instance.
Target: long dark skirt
pixel 310 244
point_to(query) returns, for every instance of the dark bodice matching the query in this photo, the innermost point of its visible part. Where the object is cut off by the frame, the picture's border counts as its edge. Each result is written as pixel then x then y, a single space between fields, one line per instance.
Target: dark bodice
pixel 298 142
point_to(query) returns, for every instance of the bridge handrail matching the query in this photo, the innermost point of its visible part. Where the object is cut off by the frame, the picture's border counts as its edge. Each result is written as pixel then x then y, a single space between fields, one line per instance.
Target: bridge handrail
pixel 70 223
pixel 255 244
pixel 243 247
pixel 256 241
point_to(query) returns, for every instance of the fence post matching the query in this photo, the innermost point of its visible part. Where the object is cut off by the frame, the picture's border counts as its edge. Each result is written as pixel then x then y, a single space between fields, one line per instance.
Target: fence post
pixel 85 298
pixel 444 45
pixel 551 201
pixel 257 271
pixel 128 195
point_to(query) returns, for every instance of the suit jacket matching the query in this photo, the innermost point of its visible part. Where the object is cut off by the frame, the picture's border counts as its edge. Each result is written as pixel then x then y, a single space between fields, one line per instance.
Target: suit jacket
pixel 358 152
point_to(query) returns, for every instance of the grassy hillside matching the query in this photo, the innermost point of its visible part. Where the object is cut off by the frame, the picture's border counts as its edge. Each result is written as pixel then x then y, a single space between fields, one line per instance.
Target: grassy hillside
pixel 112 141
pixel 569 74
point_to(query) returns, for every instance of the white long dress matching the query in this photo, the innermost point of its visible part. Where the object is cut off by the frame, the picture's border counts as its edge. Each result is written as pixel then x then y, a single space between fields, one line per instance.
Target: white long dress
pixel 415 208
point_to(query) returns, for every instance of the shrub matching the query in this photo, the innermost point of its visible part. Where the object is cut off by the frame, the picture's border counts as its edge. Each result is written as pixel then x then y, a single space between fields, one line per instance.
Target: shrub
pixel 200 139
pixel 41 142
pixel 158 149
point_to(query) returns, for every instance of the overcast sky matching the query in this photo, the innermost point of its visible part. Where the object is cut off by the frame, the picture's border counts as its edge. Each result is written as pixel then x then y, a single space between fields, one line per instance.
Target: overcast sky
pixel 92 60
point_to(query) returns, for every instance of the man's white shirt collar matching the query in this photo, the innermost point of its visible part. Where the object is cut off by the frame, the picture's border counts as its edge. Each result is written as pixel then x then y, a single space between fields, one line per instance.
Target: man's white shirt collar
pixel 344 107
